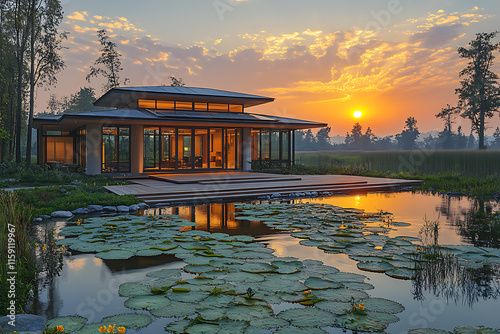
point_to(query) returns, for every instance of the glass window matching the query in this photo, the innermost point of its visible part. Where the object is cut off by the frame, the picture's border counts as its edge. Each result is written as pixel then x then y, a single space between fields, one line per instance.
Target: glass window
pixel 255 145
pixel 116 149
pixel 151 148
pixel 265 143
pixel 235 108
pixel 217 107
pixel 60 149
pixel 285 145
pixel 183 105
pixel 216 141
pixel 200 106
pixel 147 104
pixel 184 149
pixel 231 148
pixel 165 105
pixel 168 154
pixel 275 145
pixel 201 148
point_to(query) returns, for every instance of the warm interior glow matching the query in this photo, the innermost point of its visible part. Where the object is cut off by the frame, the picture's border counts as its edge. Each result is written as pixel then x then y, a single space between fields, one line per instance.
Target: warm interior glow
pixel 358 114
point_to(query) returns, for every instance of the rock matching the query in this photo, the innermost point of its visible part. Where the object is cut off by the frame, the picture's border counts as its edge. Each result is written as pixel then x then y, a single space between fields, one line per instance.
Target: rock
pixel 61 214
pixel 109 209
pixel 314 193
pixel 37 220
pixel 122 208
pixel 276 195
pixel 45 217
pixel 24 323
pixel 142 206
pixel 81 211
pixel 133 207
pixel 95 208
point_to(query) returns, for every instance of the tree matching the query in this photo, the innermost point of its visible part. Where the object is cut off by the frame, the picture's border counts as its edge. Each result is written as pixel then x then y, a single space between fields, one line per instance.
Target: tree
pixel 357 140
pixel 45 60
pixel 479 94
pixel 176 82
pixel 83 100
pixel 323 138
pixel 408 137
pixel 108 64
pixel 496 137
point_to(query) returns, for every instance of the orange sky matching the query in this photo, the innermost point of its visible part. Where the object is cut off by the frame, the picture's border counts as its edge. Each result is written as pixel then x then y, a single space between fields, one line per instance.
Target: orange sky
pixel 321 60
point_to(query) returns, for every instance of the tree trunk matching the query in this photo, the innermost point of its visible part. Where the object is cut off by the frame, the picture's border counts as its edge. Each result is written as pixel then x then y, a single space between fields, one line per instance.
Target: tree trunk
pixel 481 128
pixel 32 83
pixel 19 105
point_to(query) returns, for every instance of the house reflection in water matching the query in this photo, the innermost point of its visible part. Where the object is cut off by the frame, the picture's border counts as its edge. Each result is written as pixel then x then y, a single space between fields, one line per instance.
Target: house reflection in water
pixel 215 218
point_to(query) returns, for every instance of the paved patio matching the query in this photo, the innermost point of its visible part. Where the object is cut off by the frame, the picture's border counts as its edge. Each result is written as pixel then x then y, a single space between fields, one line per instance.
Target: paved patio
pixel 168 188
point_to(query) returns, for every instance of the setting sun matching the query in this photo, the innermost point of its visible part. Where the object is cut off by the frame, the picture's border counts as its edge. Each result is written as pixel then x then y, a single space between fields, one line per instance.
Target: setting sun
pixel 358 114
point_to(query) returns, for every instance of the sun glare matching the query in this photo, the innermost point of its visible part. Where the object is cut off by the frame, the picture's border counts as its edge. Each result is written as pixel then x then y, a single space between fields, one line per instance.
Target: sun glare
pixel 357 114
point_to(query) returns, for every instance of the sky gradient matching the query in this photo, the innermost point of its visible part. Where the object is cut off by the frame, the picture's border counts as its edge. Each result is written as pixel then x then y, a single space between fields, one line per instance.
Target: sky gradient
pixel 321 59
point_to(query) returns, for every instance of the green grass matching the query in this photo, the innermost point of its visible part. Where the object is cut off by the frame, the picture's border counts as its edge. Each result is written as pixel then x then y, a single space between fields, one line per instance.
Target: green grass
pixel 15 218
pixel 46 200
pixel 468 163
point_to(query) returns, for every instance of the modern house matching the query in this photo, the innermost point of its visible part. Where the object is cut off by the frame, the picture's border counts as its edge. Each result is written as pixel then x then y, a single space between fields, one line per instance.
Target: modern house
pixel 168 129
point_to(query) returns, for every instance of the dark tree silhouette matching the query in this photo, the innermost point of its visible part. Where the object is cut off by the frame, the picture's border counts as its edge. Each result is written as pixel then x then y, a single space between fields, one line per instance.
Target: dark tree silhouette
pixel 108 64
pixel 479 94
pixel 408 137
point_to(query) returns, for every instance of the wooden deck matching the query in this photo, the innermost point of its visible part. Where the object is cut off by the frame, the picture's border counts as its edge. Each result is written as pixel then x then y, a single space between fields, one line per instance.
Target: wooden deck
pixel 168 188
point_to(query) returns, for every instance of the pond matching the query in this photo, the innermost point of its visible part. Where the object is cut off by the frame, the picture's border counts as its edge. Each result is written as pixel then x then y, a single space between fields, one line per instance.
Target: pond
pixel 88 286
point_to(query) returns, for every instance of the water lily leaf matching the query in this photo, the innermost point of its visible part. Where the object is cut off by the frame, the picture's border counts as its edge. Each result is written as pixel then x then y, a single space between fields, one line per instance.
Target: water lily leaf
pixel 358 285
pixel 128 320
pixel 257 268
pixel 295 330
pixel 115 255
pixel 256 330
pixel 223 326
pixel 401 273
pixel 187 297
pixel 174 274
pixel 198 269
pixel 147 302
pixel 148 252
pixel 308 317
pixel 242 277
pixel 269 322
pixel 378 267
pixel 372 322
pixel 334 307
pixel 316 283
pixel 427 331
pixel 178 326
pixel 287 267
pixel 472 330
pixel 248 313
pixel 132 289
pixel 175 309
pixel 341 294
pixel 383 305
pixel 70 323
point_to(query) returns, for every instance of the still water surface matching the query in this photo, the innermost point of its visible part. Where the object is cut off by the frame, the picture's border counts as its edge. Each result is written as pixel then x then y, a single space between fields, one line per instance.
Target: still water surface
pixel 88 286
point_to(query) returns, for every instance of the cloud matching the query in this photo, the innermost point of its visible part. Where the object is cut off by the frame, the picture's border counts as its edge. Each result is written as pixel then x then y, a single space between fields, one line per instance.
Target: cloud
pixel 437 36
pixel 78 16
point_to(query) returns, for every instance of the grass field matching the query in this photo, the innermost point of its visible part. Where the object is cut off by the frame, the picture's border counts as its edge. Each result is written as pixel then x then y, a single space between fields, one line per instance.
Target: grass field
pixel 467 163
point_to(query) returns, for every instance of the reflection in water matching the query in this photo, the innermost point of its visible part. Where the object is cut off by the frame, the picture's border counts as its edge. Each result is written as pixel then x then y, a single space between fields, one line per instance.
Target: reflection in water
pixel 216 218
pixel 139 262
pixel 445 277
pixel 479 225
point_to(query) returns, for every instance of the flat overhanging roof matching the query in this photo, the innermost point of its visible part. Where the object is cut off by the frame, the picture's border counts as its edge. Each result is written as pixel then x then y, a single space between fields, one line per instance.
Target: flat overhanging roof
pixel 171 117
pixel 122 96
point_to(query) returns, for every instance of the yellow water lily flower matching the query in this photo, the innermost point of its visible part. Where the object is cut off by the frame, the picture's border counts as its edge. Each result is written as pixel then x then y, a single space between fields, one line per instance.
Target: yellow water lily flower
pixel 111 329
pixel 102 329
pixel 361 306
pixel 121 330
pixel 60 328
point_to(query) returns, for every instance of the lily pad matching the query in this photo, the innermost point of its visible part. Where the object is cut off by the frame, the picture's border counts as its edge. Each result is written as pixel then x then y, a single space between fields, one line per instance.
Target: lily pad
pixel 147 302
pixel 175 309
pixel 316 283
pixel 475 330
pixel 115 255
pixel 69 323
pixel 248 313
pixel 269 322
pixel 427 331
pixel 379 267
pixel 383 305
pixel 308 317
pixel 132 289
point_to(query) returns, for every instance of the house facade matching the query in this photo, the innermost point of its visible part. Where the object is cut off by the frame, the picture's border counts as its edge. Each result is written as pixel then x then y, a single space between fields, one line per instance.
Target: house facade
pixel 169 129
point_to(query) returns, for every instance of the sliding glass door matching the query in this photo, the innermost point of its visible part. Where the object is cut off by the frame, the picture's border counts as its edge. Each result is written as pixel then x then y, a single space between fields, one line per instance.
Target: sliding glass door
pixel 116 149
pixel 169 148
